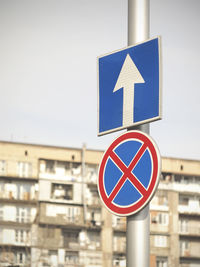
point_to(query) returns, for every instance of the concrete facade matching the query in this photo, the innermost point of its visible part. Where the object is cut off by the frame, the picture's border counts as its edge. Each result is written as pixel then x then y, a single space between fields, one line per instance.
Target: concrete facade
pixel 51 214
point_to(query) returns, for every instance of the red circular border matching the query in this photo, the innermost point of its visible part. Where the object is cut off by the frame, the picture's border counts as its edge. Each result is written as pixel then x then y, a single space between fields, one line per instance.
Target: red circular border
pixel 124 211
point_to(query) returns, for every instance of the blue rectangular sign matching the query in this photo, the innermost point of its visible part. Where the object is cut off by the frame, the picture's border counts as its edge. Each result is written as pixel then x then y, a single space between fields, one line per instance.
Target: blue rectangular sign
pixel 129 91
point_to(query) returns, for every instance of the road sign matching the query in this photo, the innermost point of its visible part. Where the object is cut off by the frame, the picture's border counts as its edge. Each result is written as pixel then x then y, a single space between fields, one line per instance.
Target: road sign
pixel 129 87
pixel 129 173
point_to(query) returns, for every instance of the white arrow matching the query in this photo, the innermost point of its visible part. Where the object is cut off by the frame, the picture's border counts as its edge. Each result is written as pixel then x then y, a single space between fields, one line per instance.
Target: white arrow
pixel 129 75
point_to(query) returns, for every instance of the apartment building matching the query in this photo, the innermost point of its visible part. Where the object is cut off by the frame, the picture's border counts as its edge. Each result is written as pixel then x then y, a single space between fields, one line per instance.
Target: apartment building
pixel 51 214
pixel 18 203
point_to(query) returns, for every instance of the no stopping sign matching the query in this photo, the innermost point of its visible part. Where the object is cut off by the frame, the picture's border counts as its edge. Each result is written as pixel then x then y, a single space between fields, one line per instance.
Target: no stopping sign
pixel 129 173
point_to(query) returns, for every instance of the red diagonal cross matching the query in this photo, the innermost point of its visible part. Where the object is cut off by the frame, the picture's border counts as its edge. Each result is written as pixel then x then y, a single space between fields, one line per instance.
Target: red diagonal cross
pixel 127 172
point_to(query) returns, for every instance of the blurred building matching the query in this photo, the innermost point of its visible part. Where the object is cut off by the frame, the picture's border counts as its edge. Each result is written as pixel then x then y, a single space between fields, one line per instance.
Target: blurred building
pixel 51 214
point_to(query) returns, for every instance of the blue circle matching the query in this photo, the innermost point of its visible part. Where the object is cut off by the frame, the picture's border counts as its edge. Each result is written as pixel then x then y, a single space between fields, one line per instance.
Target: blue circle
pixel 128 193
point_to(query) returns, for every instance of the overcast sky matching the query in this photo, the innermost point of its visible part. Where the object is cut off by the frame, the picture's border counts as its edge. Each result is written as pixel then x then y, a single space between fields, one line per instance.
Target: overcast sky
pixel 48 73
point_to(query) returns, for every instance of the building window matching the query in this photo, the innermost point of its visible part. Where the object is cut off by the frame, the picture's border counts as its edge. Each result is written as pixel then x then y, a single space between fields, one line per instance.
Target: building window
pixel 160 241
pixel 163 218
pixel 93 196
pixel 94 239
pixel 17 235
pixel 94 216
pixel 61 168
pixel 184 247
pixel 75 169
pixel 184 200
pixel 2 190
pixel 62 191
pixel 166 177
pixel 119 243
pixel 197 180
pixel 20 257
pixel 24 169
pixel 2 167
pixel 73 214
pixel 119 260
pixel 10 190
pixel 91 173
pixel 50 166
pixel 160 198
pixel 53 257
pixel 24 190
pixel 71 257
pixel 21 236
pixel 1 212
pixel 71 239
pixel 23 214
pixel 161 262
pixel 183 226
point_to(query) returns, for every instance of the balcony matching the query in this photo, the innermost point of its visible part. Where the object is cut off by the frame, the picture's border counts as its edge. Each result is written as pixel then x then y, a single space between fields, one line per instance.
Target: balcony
pixel 190 231
pixel 70 259
pixel 64 177
pixel 92 246
pixel 189 253
pixel 16 196
pixel 159 228
pixel 16 222
pixel 180 187
pixel 189 209
pixel 158 207
pixel 74 246
pixel 60 170
pixel 64 215
pixel 189 249
pixel 16 244
pixel 60 219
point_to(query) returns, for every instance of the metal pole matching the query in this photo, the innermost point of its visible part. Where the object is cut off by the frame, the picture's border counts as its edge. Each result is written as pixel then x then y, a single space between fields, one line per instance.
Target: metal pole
pixel 138 21
pixel 138 225
pixel 137 239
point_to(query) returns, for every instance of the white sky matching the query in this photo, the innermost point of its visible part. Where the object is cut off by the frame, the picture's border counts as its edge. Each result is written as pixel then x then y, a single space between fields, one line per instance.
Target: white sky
pixel 48 74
